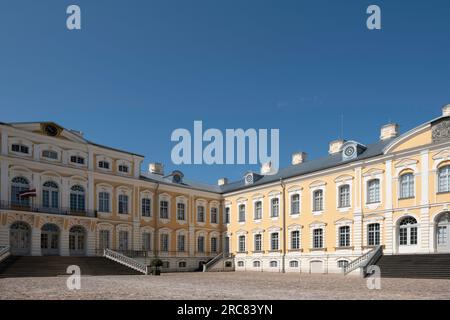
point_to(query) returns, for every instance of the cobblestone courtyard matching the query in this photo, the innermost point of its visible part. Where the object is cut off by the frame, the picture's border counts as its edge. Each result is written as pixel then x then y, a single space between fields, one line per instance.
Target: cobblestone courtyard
pixel 252 286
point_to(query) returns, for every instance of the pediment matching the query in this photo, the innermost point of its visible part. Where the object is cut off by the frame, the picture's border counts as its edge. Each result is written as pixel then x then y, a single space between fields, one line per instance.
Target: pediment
pixel 51 129
pixel 442 155
pixel 406 163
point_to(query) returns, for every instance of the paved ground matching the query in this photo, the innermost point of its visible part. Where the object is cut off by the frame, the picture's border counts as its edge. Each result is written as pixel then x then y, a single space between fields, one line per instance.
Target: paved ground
pixel 252 286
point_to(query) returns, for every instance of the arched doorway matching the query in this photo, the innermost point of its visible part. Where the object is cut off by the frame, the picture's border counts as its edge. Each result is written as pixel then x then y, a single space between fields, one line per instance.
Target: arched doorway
pixel 442 230
pixel 50 240
pixel 77 241
pixel 20 239
pixel 408 237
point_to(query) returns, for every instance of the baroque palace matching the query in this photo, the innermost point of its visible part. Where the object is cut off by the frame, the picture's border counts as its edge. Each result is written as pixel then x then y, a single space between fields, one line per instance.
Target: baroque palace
pixel 64 195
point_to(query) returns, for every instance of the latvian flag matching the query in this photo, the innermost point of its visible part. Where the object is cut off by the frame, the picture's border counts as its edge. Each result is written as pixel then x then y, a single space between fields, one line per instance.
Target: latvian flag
pixel 27 193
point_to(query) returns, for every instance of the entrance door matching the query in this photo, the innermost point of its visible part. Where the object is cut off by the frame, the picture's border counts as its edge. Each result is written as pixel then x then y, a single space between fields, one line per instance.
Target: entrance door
pixel 20 239
pixel 442 233
pixel 77 241
pixel 50 240
pixel 316 267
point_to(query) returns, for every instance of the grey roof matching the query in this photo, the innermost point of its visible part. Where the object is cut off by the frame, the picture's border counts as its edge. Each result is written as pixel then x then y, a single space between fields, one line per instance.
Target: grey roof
pixel 307 167
pixel 167 180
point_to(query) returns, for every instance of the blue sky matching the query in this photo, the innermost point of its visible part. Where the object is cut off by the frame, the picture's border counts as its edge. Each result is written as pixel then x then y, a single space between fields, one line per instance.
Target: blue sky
pixel 140 69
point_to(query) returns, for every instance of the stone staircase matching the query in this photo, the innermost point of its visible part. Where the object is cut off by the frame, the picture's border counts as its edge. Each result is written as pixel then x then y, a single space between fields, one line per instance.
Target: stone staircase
pixel 15 266
pixel 420 266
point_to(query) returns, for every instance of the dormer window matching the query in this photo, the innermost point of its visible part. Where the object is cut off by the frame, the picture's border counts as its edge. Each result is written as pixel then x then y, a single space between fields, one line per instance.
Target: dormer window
pixel 20 148
pixel 351 150
pixel 177 177
pixel 103 165
pixel 77 160
pixel 123 168
pixel 50 154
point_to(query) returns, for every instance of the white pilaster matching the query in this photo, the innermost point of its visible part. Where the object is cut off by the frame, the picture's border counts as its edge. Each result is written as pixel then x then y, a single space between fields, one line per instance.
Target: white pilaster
pixel 137 243
pixel 4 142
pixel 90 243
pixel 36 242
pixel 4 180
pixel 388 236
pixel 64 243
pixel 91 191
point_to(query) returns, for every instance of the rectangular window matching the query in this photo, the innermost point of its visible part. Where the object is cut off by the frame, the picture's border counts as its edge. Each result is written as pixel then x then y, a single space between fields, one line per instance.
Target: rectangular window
pixel 103 202
pixel 274 241
pixel 295 240
pixel 123 204
pixel 295 204
pixel 442 235
pixel 242 213
pixel 214 245
pixel 181 211
pixel 275 210
pixel 241 243
pixel 146 207
pixel 104 239
pixel 227 215
pixel 77 159
pixel 403 236
pixel 123 168
pixel 344 196
pixel 373 234
pixel 201 244
pixel 181 242
pixel 146 241
pixel 406 186
pixel 123 240
pixel 164 245
pixel 20 148
pixel 344 236
pixel 258 210
pixel 258 242
pixel 164 209
pixel 213 215
pixel 318 239
pixel 103 165
pixel 201 214
pixel 49 154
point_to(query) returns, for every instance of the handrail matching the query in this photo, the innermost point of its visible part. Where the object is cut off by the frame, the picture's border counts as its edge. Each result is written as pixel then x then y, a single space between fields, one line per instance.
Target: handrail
pixel 213 261
pixel 364 260
pixel 4 253
pixel 8 205
pixel 126 261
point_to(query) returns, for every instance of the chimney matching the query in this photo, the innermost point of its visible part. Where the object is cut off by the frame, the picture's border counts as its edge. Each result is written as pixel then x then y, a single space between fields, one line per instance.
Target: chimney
pixel 299 157
pixel 389 131
pixel 266 168
pixel 222 181
pixel 336 146
pixel 156 168
pixel 446 111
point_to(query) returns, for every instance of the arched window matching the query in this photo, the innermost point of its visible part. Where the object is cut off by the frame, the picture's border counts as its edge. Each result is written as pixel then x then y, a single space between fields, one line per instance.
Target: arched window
pixel 318 200
pixel 18 185
pixel 77 198
pixel 373 191
pixel 406 186
pixel 408 232
pixel 342 264
pixel 103 201
pixel 50 195
pixel 444 179
pixel 295 203
pixel 273 264
pixel 443 224
pixel 256 264
pixel 344 196
pixel 240 264
pixel 293 264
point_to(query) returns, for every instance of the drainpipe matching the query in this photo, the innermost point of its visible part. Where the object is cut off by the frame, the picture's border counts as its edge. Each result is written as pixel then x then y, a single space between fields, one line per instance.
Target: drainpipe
pixel 155 217
pixel 283 260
